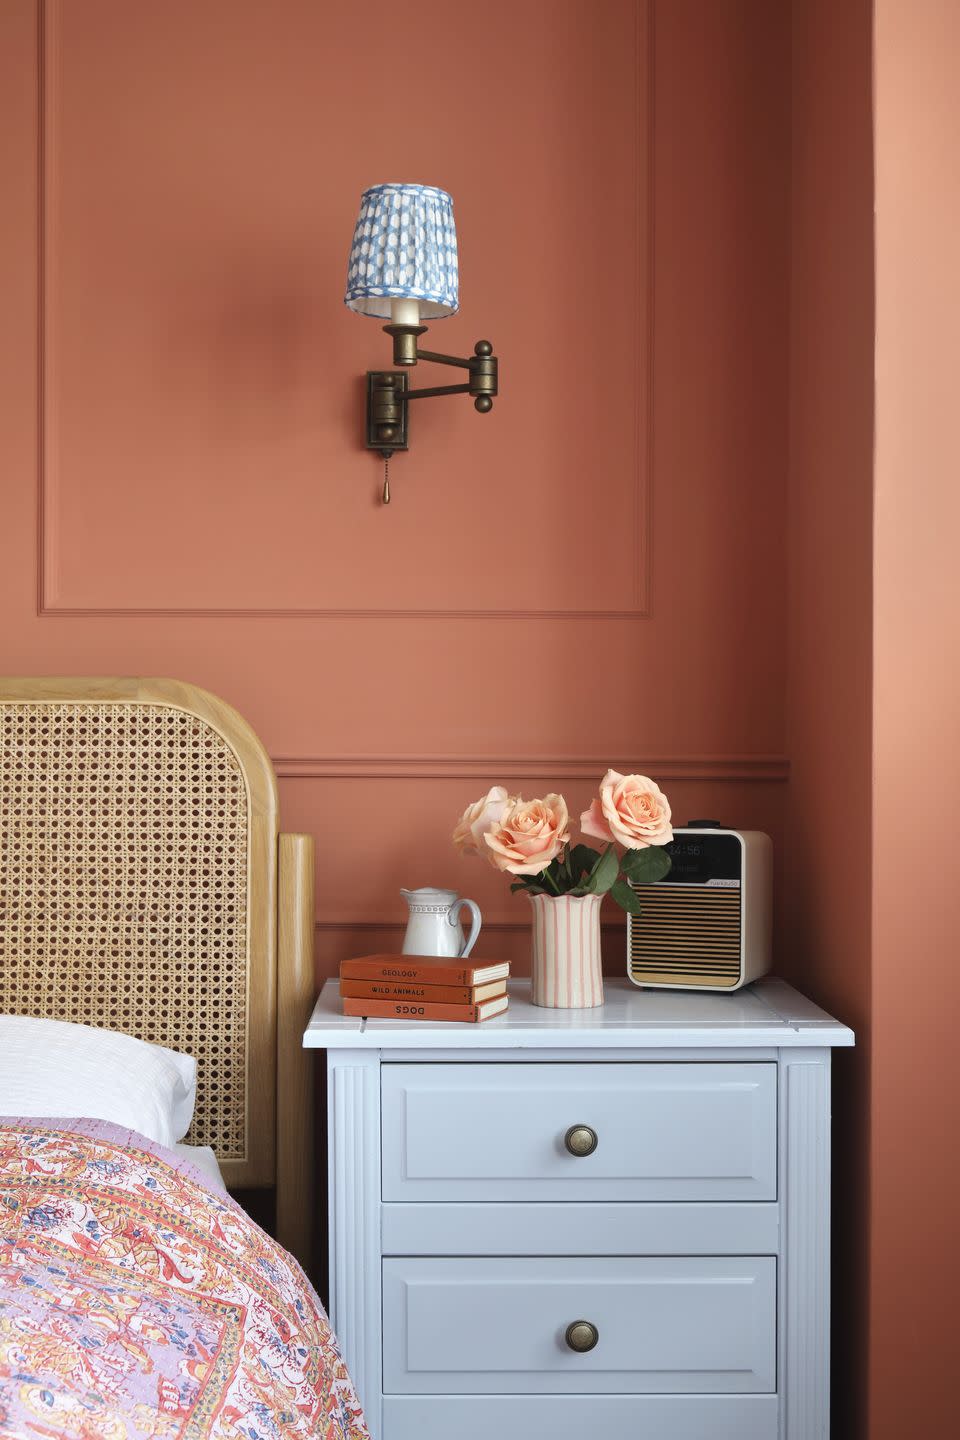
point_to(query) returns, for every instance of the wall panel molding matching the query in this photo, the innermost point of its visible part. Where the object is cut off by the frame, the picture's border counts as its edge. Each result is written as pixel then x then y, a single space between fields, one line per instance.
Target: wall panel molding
pixel 47 550
pixel 51 600
pixel 723 768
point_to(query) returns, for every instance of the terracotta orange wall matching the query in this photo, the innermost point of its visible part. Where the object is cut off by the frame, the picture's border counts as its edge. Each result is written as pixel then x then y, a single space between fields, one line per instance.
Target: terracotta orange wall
pixel 873 696
pixel 589 575
pixel 829 699
pixel 916 902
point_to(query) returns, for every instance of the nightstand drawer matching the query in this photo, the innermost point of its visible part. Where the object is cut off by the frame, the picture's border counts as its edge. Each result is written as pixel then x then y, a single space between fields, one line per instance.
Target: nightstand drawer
pixel 502 1131
pixel 678 1325
pixel 571 1417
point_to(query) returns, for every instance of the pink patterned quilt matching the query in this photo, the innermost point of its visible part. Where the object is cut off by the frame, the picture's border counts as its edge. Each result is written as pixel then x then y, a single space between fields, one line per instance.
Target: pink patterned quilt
pixel 137 1304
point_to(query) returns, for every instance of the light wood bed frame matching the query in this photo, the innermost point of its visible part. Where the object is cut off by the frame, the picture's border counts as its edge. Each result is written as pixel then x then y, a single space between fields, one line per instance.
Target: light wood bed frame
pixel 144 887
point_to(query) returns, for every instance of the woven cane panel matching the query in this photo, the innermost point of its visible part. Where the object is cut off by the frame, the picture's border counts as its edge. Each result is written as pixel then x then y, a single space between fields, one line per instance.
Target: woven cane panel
pixel 123 886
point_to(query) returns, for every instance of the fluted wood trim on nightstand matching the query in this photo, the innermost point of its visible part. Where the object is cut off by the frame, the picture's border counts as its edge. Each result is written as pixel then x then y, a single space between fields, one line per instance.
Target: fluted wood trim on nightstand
pixel 353 1098
pixel 805 1279
pixel 295 987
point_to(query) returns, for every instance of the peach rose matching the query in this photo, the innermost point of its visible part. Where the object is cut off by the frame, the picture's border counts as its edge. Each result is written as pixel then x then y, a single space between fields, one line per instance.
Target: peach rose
pixel 631 810
pixel 530 835
pixel 478 818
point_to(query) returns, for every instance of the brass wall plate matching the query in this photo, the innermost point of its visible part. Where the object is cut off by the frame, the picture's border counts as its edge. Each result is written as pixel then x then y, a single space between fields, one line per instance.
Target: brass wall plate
pixel 387 411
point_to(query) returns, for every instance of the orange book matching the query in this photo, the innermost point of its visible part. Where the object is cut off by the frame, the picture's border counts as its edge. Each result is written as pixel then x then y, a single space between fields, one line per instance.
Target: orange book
pixel 411 990
pixel 411 1010
pixel 424 969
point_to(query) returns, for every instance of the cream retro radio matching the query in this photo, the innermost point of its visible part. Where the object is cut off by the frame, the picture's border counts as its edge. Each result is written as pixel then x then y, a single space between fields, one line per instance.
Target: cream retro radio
pixel 706 925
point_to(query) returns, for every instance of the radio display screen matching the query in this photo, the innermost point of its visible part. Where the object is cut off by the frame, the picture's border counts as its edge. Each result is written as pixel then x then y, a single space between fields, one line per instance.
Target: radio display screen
pixel 699 858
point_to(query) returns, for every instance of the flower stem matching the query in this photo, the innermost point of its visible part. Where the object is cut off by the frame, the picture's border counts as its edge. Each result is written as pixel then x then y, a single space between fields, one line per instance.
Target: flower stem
pixel 548 877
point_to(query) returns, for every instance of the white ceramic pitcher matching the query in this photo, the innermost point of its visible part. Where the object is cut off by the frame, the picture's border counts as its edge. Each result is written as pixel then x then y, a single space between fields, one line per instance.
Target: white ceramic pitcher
pixel 434 925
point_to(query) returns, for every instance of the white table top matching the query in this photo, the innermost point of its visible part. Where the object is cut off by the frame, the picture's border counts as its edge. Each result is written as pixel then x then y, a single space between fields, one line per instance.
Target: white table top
pixel 767 1013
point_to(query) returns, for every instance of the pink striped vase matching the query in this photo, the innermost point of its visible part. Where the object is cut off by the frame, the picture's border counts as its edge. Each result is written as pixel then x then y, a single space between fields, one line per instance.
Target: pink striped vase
pixel 566 951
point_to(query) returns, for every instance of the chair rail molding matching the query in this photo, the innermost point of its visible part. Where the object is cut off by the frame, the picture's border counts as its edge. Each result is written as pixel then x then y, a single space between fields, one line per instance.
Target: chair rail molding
pixel 760 768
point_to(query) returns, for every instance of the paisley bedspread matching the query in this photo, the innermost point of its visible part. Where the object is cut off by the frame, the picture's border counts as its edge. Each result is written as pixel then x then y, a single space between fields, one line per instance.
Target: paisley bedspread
pixel 135 1302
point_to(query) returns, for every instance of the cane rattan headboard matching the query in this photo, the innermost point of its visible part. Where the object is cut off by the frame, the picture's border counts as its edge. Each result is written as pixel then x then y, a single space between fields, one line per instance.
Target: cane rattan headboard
pixel 140 867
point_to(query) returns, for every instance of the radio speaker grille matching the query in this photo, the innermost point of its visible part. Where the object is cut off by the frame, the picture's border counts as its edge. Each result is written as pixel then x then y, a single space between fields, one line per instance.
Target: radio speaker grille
pixel 687 935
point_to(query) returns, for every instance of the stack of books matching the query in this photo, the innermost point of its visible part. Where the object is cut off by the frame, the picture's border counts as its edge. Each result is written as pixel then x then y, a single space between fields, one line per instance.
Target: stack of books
pixel 423 987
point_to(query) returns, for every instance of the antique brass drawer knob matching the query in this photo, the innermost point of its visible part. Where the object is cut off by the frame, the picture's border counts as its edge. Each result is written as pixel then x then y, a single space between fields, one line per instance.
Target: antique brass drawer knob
pixel 581 1336
pixel 581 1140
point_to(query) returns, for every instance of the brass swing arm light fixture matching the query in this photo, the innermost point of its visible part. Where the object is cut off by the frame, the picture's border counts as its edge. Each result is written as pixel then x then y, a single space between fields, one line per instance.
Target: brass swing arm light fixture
pixel 403 266
pixel 388 393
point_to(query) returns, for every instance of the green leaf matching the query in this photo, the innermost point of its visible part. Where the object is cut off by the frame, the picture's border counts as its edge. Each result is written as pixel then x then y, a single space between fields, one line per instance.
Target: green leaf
pixel 604 873
pixel 645 867
pixel 582 859
pixel 626 898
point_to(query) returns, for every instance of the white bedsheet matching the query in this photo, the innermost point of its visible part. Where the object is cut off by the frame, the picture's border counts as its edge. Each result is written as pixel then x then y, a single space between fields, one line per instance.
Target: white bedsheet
pixel 205 1160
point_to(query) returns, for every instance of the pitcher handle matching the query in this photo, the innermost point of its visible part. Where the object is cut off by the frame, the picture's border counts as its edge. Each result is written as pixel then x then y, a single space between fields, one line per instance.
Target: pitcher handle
pixel 453 916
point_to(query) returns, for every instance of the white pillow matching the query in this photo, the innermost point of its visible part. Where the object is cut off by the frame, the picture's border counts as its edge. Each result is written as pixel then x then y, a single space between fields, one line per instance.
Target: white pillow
pixel 50 1069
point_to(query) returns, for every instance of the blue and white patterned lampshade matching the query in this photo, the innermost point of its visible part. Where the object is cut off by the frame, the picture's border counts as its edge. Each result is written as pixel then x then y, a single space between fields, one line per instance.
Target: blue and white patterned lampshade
pixel 404 248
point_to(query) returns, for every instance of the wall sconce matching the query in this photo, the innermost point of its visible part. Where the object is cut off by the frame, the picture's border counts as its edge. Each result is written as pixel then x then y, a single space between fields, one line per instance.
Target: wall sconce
pixel 403 268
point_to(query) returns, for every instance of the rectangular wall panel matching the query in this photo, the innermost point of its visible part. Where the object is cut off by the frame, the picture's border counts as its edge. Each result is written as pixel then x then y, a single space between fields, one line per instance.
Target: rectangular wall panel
pixel 202 418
